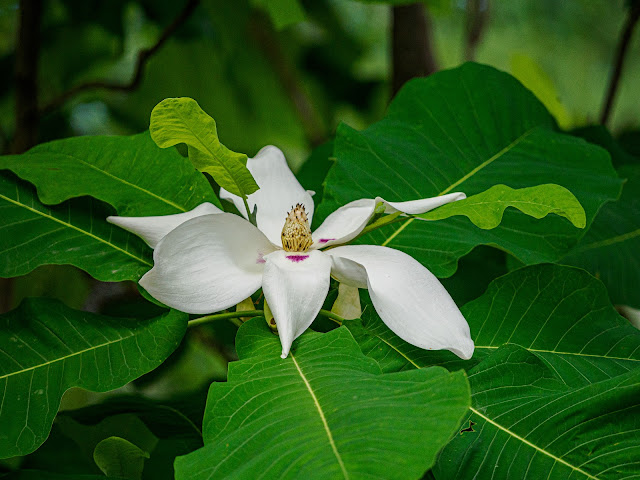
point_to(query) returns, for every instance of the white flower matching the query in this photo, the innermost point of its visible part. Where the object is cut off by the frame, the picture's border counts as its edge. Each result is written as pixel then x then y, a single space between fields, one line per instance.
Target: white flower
pixel 206 261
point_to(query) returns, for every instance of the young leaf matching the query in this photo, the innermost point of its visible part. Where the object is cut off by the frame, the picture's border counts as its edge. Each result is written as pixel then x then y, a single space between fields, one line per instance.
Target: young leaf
pixel 48 348
pixel 181 120
pixel 610 248
pixel 485 209
pixel 130 173
pixel 527 424
pixel 323 412
pixel 75 232
pixel 467 129
pixel 561 314
pixel 118 457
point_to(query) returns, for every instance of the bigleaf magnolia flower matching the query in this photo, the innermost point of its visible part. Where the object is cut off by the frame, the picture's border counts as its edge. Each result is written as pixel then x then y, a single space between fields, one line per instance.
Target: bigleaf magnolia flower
pixel 206 261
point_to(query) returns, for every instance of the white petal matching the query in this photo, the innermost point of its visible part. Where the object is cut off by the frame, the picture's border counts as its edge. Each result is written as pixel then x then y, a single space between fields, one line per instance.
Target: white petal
pixel 279 192
pixel 414 207
pixel 153 229
pixel 345 223
pixel 409 299
pixel 208 264
pixel 295 285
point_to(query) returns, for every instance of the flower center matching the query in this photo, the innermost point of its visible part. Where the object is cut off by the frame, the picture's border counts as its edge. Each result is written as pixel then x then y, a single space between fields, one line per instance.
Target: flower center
pixel 296 234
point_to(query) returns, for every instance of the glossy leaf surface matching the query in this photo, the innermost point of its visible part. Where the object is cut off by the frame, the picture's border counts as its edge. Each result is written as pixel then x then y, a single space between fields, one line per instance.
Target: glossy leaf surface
pixel 47 348
pixel 326 411
pixel 467 129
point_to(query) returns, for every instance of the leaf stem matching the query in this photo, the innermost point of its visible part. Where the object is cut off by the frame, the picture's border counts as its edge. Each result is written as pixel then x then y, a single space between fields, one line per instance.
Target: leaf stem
pixel 251 216
pixel 332 316
pixel 224 316
pixel 252 313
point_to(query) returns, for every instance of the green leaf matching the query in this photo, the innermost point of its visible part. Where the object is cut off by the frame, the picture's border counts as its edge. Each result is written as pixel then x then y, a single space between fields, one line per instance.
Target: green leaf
pixel 165 420
pixel 533 76
pixel 87 437
pixel 130 173
pixel 323 412
pixel 75 232
pixel 485 209
pixel 282 12
pixel 40 475
pixel 48 348
pixel 120 458
pixel 602 137
pixel 610 248
pixel 467 129
pixel 561 314
pixel 527 424
pixel 162 429
pixel 181 120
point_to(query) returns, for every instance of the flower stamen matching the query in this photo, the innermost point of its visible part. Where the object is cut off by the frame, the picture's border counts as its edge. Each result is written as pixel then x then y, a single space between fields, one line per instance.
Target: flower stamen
pixel 296 233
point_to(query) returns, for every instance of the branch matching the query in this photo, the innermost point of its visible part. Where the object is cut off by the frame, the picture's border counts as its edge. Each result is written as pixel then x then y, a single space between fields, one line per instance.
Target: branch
pixel 413 53
pixel 26 75
pixel 621 50
pixel 143 58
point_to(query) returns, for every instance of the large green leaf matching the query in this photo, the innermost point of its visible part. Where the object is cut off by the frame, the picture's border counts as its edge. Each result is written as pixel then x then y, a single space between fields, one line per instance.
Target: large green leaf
pixel 130 173
pixel 485 209
pixel 48 348
pixel 526 423
pixel 326 411
pixel 561 314
pixel 467 129
pixel 610 248
pixel 181 120
pixel 75 232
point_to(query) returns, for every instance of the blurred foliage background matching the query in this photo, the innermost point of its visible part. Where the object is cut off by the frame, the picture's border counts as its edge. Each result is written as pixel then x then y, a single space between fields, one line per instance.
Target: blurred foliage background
pixel 287 72
pixel 283 72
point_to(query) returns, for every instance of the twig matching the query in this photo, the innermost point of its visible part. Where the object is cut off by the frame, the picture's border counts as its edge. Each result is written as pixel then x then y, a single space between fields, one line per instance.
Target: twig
pixel 621 50
pixel 26 75
pixel 143 58
pixel 413 53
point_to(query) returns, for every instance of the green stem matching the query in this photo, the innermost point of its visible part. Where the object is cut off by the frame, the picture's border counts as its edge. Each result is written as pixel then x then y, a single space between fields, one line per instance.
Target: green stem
pixel 252 313
pixel 332 316
pixel 246 207
pixel 225 316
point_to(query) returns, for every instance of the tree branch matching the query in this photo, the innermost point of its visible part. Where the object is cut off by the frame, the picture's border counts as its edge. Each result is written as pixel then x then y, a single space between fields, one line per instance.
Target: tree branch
pixel 621 50
pixel 412 50
pixel 26 75
pixel 143 58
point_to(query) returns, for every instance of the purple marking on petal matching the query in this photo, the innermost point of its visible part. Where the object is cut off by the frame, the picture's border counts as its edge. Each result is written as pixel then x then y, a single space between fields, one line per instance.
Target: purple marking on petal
pixel 260 258
pixel 325 240
pixel 297 258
